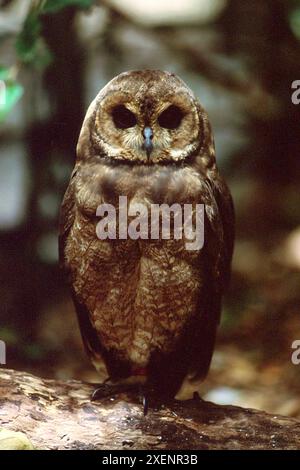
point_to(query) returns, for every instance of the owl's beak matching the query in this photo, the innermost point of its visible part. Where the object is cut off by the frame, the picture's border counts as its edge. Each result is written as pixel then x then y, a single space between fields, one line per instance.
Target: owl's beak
pixel 148 136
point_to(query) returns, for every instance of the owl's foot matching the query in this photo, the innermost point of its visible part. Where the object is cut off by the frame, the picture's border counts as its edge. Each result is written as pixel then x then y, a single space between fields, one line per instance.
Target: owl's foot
pixel 145 394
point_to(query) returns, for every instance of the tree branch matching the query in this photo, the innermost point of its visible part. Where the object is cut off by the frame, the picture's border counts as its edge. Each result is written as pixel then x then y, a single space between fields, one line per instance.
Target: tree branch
pixel 59 415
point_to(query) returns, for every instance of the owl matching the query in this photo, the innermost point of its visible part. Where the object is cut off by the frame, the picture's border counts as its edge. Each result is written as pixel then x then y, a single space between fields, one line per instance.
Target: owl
pixel 149 308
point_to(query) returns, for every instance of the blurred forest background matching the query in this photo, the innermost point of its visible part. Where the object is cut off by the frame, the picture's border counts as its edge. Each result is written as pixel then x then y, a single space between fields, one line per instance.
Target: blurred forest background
pixel 240 58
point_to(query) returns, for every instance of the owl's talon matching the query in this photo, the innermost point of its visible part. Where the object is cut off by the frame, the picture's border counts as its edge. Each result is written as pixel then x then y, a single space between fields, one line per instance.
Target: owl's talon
pixel 106 390
pixel 101 392
pixel 145 404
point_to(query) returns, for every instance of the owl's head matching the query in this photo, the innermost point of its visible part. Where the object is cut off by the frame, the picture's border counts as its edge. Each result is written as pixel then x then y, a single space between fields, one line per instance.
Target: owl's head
pixel 145 117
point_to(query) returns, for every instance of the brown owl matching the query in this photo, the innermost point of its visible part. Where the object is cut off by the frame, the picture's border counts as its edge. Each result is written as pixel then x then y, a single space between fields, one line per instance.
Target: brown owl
pixel 148 307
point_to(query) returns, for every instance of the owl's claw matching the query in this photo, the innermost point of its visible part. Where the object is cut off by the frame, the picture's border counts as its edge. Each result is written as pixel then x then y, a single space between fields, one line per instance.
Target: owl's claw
pixel 150 399
pixel 145 400
pixel 106 390
pixel 100 392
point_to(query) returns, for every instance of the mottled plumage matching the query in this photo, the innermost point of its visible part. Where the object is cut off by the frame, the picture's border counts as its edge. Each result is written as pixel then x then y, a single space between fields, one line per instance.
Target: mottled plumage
pixel 147 307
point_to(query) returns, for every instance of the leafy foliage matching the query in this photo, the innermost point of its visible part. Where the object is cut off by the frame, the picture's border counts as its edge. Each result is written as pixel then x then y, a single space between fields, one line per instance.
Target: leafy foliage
pixel 10 92
pixel 31 49
pixel 30 45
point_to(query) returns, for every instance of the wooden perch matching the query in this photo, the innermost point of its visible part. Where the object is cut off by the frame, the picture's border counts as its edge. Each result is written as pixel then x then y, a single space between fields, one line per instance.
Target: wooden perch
pixel 59 415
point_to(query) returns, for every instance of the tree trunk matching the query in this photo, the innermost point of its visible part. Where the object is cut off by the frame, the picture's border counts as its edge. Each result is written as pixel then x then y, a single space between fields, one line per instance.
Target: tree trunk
pixel 60 415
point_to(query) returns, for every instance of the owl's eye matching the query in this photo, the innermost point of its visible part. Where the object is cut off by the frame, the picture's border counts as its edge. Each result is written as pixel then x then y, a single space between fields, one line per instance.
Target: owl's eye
pixel 123 118
pixel 171 117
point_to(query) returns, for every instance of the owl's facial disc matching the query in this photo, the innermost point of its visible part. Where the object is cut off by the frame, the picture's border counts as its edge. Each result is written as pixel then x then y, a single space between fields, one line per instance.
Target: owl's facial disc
pixel 155 122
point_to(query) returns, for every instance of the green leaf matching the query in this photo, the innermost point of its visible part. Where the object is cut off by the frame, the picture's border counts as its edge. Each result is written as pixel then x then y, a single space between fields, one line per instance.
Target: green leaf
pixel 4 73
pixel 10 93
pixel 28 37
pixel 52 6
pixel 30 45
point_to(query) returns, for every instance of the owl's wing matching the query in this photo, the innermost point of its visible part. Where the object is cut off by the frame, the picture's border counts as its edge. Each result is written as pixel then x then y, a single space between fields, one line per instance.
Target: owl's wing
pixel 217 253
pixel 221 220
pixel 90 338
pixel 194 349
pixel 66 219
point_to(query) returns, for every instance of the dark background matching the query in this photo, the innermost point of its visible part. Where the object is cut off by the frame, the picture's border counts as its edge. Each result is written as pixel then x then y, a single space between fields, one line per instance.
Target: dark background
pixel 240 58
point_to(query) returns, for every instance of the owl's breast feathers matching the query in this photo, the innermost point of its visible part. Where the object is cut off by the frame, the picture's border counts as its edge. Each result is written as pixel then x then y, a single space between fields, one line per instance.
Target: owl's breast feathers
pixel 146 304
